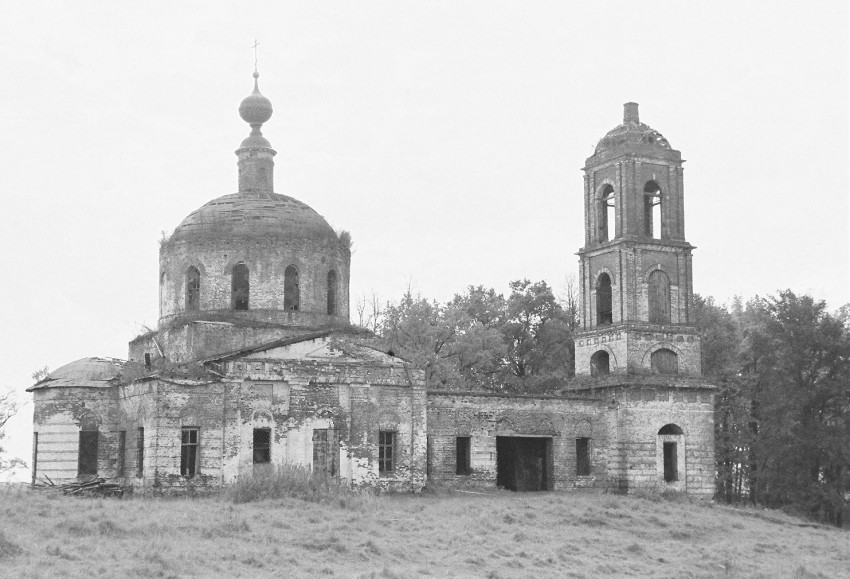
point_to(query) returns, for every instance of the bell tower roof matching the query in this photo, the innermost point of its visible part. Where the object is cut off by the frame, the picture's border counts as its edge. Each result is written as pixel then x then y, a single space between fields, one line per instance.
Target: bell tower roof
pixel 632 132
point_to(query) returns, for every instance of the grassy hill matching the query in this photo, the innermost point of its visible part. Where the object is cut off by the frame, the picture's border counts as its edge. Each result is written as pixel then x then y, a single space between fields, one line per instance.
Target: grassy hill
pixel 457 534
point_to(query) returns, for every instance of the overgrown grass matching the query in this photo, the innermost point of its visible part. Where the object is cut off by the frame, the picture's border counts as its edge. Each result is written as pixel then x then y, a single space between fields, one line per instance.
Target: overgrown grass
pixel 297 482
pixel 304 531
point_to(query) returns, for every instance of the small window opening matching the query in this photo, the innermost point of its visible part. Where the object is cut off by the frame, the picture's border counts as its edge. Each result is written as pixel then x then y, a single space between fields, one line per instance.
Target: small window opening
pixel 87 464
pixel 122 449
pixel 386 451
pixel 193 289
pixel 671 467
pixel 291 289
pixel 332 293
pixel 189 452
pixel 239 285
pixel 659 298
pixel 147 360
pixel 582 457
pixel 262 445
pixel 325 451
pixel 652 210
pixel 664 361
pixel 607 214
pixel 604 307
pixel 140 452
pixel 599 363
pixel 463 462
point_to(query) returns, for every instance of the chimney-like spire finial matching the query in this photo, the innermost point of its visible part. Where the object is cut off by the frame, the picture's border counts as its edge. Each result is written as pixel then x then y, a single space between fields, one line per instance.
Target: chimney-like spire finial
pixel 630 113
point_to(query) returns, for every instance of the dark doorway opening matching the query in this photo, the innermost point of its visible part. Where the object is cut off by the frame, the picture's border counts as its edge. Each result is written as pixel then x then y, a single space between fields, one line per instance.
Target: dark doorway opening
pixel 524 463
pixel 671 467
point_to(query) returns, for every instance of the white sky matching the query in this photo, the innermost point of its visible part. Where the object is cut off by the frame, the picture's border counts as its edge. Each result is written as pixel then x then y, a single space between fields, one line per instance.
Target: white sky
pixel 447 136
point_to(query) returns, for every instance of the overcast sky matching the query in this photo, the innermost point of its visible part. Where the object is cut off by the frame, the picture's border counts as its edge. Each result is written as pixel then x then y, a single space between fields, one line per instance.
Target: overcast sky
pixel 447 137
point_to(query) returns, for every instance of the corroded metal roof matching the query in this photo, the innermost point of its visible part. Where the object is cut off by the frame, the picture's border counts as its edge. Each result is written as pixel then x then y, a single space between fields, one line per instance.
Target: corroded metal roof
pixel 253 214
pixel 84 373
pixel 632 132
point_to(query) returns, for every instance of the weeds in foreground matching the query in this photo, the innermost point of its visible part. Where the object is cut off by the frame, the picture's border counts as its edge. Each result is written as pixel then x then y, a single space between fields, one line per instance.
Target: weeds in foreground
pixel 299 482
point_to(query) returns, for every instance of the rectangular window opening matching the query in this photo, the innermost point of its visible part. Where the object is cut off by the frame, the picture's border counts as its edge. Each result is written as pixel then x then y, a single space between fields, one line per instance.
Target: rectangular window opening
pixel 88 453
pixel 189 452
pixel 140 452
pixel 671 467
pixel 463 462
pixel 582 456
pixel 386 451
pixel 122 444
pixel 262 445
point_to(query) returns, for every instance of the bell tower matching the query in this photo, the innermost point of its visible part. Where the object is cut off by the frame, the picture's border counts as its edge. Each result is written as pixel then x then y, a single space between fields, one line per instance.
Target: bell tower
pixel 635 266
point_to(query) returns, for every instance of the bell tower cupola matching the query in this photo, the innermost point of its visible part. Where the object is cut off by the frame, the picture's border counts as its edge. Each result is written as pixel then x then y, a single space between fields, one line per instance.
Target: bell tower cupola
pixel 635 266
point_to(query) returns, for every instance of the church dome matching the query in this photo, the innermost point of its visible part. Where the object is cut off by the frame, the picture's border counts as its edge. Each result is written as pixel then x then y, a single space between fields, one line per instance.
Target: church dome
pixel 254 215
pixel 633 132
pixel 255 109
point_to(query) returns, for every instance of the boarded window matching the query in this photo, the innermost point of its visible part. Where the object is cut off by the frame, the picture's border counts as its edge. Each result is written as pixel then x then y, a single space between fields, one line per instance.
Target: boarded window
pixel 665 361
pixel 463 455
pixel 240 287
pixel 607 214
pixel 87 464
pixel 193 289
pixel 332 287
pixel 671 464
pixel 291 289
pixel 652 210
pixel 140 452
pixel 262 445
pixel 189 452
pixel 582 456
pixel 122 449
pixel 325 451
pixel 659 298
pixel 599 363
pixel 604 308
pixel 386 451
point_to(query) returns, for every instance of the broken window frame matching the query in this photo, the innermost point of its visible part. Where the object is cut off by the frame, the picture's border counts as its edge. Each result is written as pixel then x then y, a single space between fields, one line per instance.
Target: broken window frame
pixel 190 451
pixel 193 289
pixel 386 451
pixel 291 289
pixel 463 455
pixel 240 287
pixel 582 456
pixel 262 448
pixel 87 456
pixel 140 452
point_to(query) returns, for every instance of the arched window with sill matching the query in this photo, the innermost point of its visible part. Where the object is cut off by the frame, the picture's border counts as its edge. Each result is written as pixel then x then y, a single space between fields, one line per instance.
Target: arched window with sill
pixel 291 289
pixel 652 210
pixel 604 305
pixel 607 214
pixel 658 297
pixel 240 287
pixel 193 289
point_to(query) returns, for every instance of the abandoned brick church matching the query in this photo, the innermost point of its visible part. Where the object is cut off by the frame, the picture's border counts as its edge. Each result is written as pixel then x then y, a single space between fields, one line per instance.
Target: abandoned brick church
pixel 254 364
